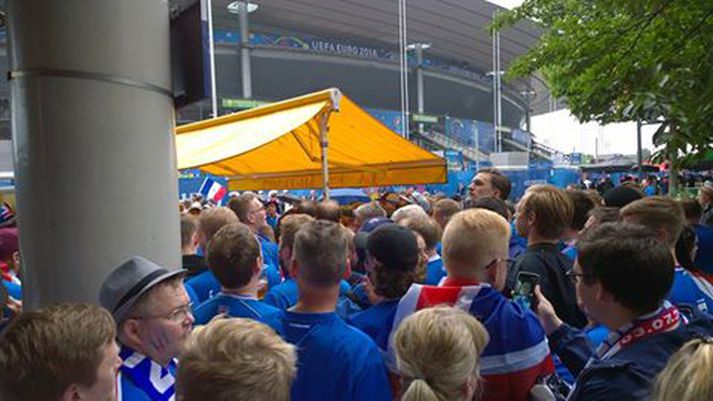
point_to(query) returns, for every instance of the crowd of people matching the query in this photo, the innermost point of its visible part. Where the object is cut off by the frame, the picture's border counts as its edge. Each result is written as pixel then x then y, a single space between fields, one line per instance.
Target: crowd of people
pixel 568 294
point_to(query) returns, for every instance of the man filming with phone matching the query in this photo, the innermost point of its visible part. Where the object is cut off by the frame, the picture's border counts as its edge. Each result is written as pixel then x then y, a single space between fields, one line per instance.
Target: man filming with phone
pixel 622 277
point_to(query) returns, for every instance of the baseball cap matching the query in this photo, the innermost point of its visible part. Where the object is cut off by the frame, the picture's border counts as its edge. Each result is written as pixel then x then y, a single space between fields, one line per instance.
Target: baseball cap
pixel 394 246
pixel 131 279
pixel 621 196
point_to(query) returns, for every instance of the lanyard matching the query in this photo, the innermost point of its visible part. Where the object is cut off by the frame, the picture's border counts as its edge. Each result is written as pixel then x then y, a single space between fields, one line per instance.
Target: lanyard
pixel 666 318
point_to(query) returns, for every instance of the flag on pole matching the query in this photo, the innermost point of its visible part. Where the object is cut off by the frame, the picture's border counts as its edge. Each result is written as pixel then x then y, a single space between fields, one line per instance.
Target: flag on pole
pixel 211 189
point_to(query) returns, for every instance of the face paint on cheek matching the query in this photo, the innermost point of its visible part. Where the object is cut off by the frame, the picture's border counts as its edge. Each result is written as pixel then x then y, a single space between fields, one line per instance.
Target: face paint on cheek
pixel 159 339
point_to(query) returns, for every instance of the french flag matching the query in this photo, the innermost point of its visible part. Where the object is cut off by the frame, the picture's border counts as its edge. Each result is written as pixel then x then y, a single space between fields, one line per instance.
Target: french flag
pixel 6 212
pixel 211 189
pixel 517 353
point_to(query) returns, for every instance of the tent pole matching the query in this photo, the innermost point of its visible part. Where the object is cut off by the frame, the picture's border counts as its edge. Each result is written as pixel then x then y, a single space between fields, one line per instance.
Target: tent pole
pixel 324 143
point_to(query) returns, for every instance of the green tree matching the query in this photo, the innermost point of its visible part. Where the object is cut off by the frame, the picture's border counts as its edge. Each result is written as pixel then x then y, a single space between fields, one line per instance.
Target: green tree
pixel 623 60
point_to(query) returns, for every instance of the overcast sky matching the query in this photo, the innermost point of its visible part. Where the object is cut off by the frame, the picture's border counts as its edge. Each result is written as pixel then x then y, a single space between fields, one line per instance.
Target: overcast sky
pixel 563 132
pixel 560 130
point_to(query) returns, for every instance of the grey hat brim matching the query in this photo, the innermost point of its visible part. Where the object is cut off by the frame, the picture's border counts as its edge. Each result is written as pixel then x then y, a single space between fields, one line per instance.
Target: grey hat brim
pixel 120 314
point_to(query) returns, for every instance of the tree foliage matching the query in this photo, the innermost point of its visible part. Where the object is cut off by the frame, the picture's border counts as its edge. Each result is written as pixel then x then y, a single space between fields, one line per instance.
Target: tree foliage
pixel 623 60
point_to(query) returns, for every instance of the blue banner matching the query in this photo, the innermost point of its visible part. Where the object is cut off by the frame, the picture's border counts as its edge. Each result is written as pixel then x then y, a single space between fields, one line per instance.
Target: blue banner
pixel 522 137
pixel 454 159
pixel 461 130
pixel 486 136
pixel 391 119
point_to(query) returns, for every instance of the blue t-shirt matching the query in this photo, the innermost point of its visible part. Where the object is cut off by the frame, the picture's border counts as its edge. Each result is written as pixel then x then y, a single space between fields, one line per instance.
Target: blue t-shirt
pixel 359 292
pixel 518 243
pixel 376 321
pixel 269 251
pixel 285 295
pixel 192 294
pixel 14 291
pixel 238 306
pixel 272 221
pixel 435 271
pixel 335 361
pixel 704 255
pixel 570 251
pixel 690 293
pixel 206 285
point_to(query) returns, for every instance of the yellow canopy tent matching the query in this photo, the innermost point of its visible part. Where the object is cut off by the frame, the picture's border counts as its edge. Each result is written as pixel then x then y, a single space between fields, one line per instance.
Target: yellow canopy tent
pixel 318 140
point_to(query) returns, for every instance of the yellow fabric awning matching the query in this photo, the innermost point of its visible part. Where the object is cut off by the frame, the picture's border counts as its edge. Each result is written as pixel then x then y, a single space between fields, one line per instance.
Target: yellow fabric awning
pixel 278 146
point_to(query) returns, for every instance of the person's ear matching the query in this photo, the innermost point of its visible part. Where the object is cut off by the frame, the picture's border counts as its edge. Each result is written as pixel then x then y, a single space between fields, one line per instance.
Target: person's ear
pixel 72 393
pixel 470 387
pixel 530 218
pixel 662 235
pixel 602 294
pixel 132 330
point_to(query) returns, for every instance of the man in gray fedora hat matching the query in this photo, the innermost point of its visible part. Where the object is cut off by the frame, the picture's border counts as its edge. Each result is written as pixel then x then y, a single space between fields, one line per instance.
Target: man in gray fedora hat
pixel 154 318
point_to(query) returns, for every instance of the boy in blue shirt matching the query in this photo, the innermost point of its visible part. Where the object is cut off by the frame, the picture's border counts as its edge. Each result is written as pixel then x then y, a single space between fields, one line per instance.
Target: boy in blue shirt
pixel 335 360
pixel 235 259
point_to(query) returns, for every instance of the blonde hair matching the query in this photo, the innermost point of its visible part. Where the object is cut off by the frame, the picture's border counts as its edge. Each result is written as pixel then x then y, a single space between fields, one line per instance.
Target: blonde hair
pixel 409 212
pixel 472 239
pixel 657 212
pixel 235 359
pixel 687 374
pixel 289 226
pixel 212 220
pixel 438 353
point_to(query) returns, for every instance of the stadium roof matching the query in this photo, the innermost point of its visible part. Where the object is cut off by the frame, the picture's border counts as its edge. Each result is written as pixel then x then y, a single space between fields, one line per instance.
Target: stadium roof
pixel 456 29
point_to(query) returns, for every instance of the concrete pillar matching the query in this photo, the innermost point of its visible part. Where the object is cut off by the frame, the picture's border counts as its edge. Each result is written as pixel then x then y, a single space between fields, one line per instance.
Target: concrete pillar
pixel 92 124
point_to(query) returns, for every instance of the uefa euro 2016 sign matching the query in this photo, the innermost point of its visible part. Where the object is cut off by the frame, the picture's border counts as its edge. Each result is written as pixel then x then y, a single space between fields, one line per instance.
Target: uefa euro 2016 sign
pixel 340 48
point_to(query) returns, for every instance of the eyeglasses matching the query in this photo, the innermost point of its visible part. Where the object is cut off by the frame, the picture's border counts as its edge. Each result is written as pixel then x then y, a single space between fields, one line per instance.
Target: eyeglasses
pixel 178 314
pixel 507 261
pixel 574 276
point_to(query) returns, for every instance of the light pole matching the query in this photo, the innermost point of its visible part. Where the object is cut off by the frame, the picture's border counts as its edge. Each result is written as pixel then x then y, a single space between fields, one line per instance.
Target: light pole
pixel 243 8
pixel 419 48
pixel 497 107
